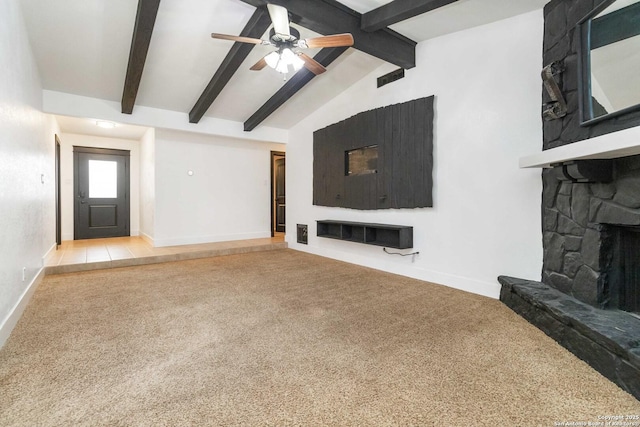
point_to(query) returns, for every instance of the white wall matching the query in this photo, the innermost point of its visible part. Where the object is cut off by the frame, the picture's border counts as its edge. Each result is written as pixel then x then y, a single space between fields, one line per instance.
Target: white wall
pixel 486 215
pixel 67 142
pixel 147 184
pixel 226 198
pixel 27 212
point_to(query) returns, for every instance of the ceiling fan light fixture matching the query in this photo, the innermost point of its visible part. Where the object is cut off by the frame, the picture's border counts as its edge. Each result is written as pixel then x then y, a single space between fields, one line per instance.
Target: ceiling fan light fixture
pixel 282 67
pixel 282 59
pixel 287 55
pixel 290 58
pixel 297 63
pixel 272 59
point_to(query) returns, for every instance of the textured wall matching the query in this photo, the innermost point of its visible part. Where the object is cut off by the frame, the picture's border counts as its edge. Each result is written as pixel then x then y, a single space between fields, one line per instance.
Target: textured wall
pixel 226 198
pixel 576 216
pixel 27 212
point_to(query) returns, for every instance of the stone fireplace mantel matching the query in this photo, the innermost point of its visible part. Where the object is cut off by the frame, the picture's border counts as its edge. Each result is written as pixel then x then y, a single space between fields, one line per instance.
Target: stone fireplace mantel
pixel 610 146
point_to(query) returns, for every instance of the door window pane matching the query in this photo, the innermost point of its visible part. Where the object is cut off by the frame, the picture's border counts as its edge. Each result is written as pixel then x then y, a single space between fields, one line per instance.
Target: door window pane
pixel 103 179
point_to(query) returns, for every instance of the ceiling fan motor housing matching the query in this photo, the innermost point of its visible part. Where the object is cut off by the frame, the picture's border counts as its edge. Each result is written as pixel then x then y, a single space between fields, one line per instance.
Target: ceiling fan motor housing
pixel 280 39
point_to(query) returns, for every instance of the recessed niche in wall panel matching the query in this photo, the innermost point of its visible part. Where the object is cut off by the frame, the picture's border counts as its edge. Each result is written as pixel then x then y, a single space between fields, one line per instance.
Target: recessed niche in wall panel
pixel 377 159
pixel 361 161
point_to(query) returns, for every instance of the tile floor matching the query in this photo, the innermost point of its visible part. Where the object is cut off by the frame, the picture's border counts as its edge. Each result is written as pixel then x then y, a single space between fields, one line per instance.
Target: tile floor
pixel 81 255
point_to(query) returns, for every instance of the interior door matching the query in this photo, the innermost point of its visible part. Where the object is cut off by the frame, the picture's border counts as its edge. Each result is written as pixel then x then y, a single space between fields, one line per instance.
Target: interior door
pixel 58 194
pixel 278 192
pixel 101 183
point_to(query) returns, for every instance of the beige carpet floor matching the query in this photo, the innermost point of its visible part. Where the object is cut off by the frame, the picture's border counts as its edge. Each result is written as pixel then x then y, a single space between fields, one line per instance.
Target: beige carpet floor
pixel 284 338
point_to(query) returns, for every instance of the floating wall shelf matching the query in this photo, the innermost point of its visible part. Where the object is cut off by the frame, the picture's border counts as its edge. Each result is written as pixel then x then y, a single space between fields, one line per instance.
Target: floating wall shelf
pixel 392 236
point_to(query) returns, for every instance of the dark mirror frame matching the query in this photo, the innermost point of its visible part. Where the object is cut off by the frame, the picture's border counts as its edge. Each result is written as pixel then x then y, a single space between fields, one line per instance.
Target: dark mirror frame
pixel 584 71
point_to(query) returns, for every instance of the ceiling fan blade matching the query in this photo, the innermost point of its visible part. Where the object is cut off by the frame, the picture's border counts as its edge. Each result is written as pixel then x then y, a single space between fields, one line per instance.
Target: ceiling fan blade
pixel 311 64
pixel 237 38
pixel 280 18
pixel 336 40
pixel 259 65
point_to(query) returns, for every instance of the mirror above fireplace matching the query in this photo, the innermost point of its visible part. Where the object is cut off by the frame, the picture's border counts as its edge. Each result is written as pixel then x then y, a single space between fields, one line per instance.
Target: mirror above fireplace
pixel 609 58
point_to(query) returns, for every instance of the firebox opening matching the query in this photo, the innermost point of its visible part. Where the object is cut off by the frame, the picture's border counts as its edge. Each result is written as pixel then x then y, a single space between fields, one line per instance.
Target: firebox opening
pixel 622 289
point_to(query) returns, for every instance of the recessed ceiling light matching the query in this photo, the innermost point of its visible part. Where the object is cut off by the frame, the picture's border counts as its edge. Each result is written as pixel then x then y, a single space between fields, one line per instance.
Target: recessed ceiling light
pixel 105 124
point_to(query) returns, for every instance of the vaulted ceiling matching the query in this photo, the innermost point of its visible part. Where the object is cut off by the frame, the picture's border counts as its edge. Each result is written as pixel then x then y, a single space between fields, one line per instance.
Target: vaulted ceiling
pixel 159 53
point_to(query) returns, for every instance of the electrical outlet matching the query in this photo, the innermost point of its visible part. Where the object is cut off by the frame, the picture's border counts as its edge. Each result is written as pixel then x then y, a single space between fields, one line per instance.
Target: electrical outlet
pixel 24 273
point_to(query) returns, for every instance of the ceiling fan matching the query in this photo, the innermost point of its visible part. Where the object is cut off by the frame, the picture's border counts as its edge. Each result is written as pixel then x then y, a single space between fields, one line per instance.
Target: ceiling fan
pixel 286 38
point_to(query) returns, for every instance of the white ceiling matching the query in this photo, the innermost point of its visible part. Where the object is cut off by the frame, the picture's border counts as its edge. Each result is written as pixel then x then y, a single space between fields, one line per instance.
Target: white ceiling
pixel 82 48
pixel 88 126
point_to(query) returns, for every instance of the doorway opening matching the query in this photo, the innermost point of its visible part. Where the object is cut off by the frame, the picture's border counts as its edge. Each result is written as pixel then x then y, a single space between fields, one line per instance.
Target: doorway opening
pixel 101 189
pixel 58 194
pixel 278 193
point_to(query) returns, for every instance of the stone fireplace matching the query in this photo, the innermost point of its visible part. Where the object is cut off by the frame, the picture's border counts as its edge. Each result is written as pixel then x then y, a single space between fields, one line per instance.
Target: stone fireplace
pixel 588 296
pixel 589 230
pixel 622 289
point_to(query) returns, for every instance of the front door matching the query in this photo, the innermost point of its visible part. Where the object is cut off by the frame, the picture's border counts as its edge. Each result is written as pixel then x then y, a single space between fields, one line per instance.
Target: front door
pixel 101 184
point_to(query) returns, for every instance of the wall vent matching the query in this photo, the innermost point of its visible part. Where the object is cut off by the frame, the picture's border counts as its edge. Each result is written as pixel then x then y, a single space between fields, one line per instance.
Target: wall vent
pixel 391 77
pixel 302 233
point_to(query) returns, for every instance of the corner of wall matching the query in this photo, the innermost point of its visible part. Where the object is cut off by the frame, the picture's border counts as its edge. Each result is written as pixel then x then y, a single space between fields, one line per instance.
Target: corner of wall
pixel 14 315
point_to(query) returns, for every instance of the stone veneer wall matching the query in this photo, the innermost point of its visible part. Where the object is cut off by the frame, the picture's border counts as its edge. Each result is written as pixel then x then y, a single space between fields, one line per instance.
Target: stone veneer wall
pixel 575 216
pixel 561 44
pixel 575 228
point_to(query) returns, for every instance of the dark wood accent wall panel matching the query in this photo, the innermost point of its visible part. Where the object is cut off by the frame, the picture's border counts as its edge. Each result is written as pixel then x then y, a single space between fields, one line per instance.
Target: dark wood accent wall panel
pixel 403 134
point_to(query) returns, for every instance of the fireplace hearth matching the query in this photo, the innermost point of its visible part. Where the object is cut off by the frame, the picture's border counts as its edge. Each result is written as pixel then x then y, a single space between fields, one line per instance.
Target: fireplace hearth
pixel 588 297
pixel 608 340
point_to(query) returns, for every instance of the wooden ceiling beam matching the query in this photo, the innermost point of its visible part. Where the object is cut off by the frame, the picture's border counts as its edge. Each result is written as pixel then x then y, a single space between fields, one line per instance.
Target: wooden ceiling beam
pixel 255 28
pixel 298 81
pixel 145 20
pixel 398 10
pixel 331 17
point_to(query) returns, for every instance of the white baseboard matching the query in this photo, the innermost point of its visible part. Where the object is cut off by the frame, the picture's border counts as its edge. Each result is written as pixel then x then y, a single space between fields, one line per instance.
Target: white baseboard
pixel 176 241
pixel 147 238
pixel 51 249
pixel 12 319
pixel 474 286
